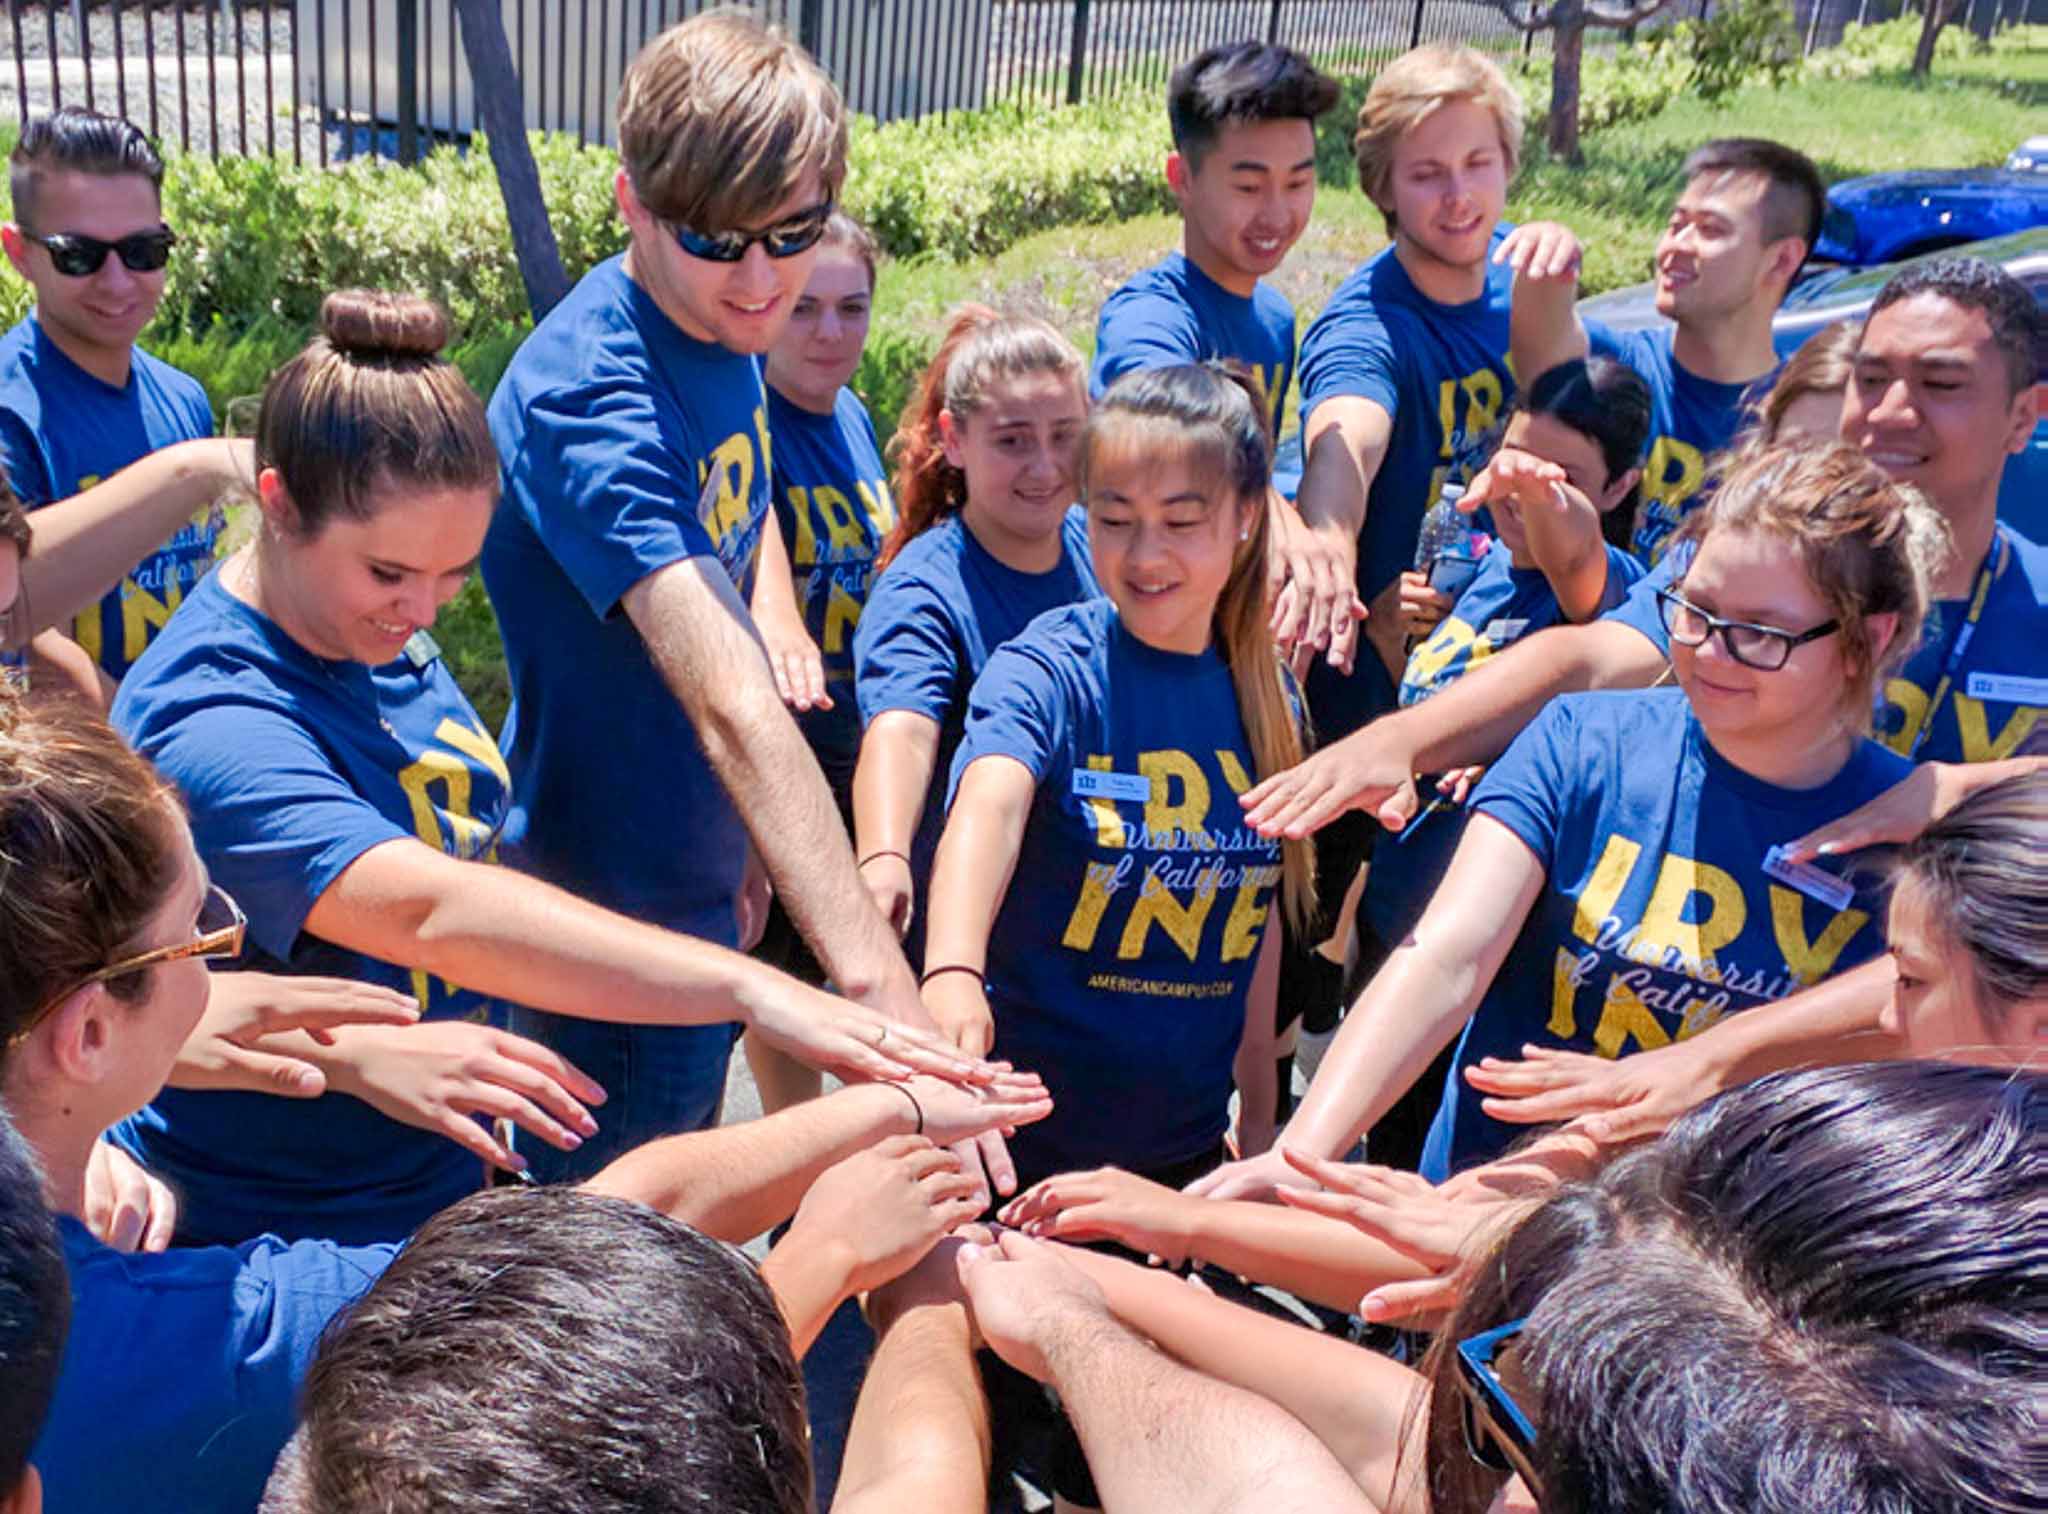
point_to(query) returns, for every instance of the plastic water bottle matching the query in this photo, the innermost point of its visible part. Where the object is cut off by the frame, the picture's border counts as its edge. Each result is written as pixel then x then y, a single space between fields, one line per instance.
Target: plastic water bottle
pixel 1443 548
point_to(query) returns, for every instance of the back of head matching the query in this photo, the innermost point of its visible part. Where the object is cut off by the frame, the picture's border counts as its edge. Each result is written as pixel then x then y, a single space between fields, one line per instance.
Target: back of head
pixel 981 347
pixel 1797 197
pixel 1241 82
pixel 1413 86
pixel 1982 870
pixel 1603 400
pixel 368 405
pixel 1869 545
pixel 2018 328
pixel 35 1306
pixel 77 140
pixel 1824 364
pixel 90 848
pixel 722 118
pixel 1825 1289
pixel 556 1349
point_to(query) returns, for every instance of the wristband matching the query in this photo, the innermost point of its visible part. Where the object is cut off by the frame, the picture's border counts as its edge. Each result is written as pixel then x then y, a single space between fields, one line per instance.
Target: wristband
pixel 919 1108
pixel 871 856
pixel 954 967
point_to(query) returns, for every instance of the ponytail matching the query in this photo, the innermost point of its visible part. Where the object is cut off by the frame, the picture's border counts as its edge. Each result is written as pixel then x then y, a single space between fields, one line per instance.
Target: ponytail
pixel 980 346
pixel 1220 409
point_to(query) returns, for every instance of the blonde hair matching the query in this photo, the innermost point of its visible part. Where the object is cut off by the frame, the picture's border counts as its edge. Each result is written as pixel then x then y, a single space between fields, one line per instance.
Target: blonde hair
pixel 980 348
pixel 369 403
pixel 721 118
pixel 1824 363
pixel 1213 415
pixel 1868 544
pixel 90 849
pixel 1409 90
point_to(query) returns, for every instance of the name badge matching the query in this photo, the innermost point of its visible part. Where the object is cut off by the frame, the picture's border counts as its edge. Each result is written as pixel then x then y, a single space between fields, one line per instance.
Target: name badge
pixel 1808 879
pixel 1091 784
pixel 421 650
pixel 1501 632
pixel 2007 688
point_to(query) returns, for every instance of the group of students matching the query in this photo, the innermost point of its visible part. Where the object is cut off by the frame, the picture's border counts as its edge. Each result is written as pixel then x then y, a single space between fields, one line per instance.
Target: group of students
pixel 1022 773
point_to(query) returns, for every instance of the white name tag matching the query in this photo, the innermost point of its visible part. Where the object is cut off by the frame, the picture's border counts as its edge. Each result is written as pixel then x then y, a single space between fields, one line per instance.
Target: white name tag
pixel 2007 688
pixel 1808 879
pixel 1090 784
pixel 1501 632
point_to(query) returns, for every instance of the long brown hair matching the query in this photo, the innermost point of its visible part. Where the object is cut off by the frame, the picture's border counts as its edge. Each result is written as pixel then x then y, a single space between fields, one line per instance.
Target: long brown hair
pixel 1215 414
pixel 980 347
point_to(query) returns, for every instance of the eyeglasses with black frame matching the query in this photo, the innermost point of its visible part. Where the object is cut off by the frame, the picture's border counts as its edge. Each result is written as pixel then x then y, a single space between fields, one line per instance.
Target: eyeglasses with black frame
pixel 78 256
pixel 221 930
pixel 799 233
pixel 1498 1435
pixel 1765 648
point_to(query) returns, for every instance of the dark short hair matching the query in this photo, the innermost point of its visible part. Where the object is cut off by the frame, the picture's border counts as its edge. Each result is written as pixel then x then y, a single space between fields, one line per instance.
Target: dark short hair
pixel 561 1350
pixel 1797 197
pixel 1242 81
pixel 1606 401
pixel 2017 327
pixel 78 140
pixel 35 1305
pixel 1822 1289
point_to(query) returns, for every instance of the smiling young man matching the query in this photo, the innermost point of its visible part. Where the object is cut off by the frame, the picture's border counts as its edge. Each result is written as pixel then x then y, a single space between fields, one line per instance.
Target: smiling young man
pixel 79 401
pixel 1243 168
pixel 1741 228
pixel 649 747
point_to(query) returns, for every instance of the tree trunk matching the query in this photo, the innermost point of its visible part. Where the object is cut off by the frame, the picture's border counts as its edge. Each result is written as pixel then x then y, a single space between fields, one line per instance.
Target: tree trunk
pixel 1936 15
pixel 1567 50
pixel 500 105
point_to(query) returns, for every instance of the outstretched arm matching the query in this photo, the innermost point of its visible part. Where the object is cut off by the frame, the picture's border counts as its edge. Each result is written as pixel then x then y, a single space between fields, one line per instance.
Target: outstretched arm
pixel 898 753
pixel 700 637
pixel 793 658
pixel 1543 322
pixel 1345 442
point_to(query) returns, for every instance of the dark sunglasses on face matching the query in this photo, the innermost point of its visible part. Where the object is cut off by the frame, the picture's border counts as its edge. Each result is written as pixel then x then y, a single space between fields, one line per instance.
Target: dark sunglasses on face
pixel 798 234
pixel 1765 648
pixel 77 256
pixel 1498 1435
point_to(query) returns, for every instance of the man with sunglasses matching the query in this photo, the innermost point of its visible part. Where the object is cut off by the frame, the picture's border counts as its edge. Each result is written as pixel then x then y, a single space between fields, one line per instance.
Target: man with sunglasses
pixel 655 768
pixel 79 401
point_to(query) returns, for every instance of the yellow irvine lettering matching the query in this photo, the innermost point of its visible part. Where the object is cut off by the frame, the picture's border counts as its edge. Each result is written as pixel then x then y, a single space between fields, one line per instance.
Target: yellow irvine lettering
pixel 1482 400
pixel 1089 907
pixel 1596 901
pixel 1564 991
pixel 1974 727
pixel 1156 904
pixel 85 630
pixel 140 610
pixel 841 523
pixel 1810 961
pixel 1161 813
pixel 475 743
pixel 1911 702
pixel 805 553
pixel 1664 925
pixel 1233 770
pixel 1624 1015
pixel 1446 415
pixel 1674 473
pixel 733 462
pixel 842 614
pixel 767 441
pixel 1109 826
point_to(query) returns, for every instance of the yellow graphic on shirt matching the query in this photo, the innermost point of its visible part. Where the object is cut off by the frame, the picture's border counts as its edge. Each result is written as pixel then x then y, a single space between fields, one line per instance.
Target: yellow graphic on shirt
pixel 438 785
pixel 1669 984
pixel 1973 724
pixel 726 506
pixel 151 594
pixel 854 530
pixel 1466 409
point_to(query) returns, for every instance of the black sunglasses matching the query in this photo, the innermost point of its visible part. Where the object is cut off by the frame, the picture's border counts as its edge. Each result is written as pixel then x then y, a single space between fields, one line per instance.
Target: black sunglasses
pixel 77 256
pixel 798 234
pixel 1765 648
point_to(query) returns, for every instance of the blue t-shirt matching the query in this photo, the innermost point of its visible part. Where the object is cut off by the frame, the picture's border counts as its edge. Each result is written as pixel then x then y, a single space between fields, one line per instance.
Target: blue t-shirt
pixel 293 767
pixel 62 430
pixel 1122 954
pixel 1691 419
pixel 182 1371
pixel 1175 313
pixel 627 446
pixel 937 613
pixel 1501 605
pixel 1441 372
pixel 1998 693
pixel 1656 918
pixel 833 505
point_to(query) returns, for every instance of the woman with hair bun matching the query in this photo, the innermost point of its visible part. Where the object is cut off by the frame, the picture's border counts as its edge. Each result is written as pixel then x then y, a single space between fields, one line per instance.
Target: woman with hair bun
pixel 343 789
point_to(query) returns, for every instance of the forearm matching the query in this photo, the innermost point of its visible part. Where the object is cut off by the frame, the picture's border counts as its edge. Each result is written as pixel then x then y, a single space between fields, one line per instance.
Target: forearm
pixel 1326 1261
pixel 897 756
pixel 774 583
pixel 737 1181
pixel 1565 540
pixel 84 545
pixel 1342 454
pixel 810 1282
pixel 920 1437
pixel 1163 1439
pixel 1543 326
pixel 1255 1070
pixel 977 855
pixel 1834 1022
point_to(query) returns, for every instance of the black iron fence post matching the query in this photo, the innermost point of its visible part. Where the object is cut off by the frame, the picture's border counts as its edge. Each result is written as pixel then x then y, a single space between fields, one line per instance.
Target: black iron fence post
pixel 408 81
pixel 1077 52
pixel 1273 25
pixel 1415 31
pixel 810 26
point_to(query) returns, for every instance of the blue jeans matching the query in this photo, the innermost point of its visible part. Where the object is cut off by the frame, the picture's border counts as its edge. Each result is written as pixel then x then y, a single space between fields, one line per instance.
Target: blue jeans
pixel 659 1080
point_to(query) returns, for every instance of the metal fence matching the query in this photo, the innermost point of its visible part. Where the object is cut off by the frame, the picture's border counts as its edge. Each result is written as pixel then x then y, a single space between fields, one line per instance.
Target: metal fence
pixel 320 79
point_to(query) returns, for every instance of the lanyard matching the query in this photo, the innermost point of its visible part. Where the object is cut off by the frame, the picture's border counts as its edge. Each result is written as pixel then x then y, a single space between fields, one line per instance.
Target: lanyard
pixel 2001 550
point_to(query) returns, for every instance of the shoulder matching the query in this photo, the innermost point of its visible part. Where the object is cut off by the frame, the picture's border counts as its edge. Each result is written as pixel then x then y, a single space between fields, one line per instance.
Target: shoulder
pixel 2030 559
pixel 175 382
pixel 1067 634
pixel 1164 280
pixel 227 1283
pixel 211 657
pixel 1272 306
pixel 1074 534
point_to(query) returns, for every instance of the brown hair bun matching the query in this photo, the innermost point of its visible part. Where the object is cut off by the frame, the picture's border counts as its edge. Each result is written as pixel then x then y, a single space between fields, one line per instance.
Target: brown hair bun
pixel 376 323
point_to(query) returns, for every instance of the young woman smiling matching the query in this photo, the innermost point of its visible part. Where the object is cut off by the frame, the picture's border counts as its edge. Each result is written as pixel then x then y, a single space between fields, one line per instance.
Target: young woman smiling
pixel 343 789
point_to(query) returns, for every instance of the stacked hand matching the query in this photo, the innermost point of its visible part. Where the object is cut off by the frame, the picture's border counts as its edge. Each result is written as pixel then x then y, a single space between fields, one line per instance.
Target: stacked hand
pixel 881 1210
pixel 1025 1295
pixel 126 1207
pixel 232 1045
pixel 1107 1204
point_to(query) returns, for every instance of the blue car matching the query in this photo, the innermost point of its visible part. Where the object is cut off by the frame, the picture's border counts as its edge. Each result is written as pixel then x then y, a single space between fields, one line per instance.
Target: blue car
pixel 1884 217
pixel 1830 294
